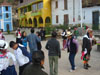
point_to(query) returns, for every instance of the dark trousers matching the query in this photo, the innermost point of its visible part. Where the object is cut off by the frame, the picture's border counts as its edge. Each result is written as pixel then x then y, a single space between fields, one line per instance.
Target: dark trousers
pixel 72 60
pixel 21 69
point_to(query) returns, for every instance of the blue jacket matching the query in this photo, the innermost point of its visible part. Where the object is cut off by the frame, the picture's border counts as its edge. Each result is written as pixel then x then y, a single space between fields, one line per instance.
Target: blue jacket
pixel 24 41
pixel 32 40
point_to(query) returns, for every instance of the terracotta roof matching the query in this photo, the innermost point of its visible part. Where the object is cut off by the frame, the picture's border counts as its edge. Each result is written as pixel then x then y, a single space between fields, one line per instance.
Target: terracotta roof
pixel 5 3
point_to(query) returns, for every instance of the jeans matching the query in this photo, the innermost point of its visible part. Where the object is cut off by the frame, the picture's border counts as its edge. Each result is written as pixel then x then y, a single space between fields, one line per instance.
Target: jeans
pixel 53 63
pixel 72 60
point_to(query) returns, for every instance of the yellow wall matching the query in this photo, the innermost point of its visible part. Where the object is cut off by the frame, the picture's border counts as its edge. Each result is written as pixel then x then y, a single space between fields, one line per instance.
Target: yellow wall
pixel 45 12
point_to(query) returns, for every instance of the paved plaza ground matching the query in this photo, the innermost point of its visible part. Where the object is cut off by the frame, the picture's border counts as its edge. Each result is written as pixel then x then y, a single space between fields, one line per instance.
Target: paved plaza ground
pixel 64 65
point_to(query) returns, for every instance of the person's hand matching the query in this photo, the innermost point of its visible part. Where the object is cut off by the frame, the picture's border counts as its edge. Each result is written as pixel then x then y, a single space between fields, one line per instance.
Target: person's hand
pixel 59 56
pixel 63 48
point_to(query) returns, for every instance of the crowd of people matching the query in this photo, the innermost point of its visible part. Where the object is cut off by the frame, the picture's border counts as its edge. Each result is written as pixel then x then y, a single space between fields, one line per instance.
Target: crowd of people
pixel 32 62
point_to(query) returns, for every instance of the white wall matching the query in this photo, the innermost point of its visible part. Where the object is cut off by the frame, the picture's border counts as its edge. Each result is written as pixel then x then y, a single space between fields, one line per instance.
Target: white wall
pixel 87 12
pixel 60 11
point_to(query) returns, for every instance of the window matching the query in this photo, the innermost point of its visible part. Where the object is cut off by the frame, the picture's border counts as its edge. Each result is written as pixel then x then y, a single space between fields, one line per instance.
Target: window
pixel 47 20
pixel 65 4
pixel 29 8
pixel 40 20
pixel 40 5
pixel 34 7
pixel 25 10
pixel 56 18
pixel 6 8
pixel 7 15
pixel 66 19
pixel 56 3
pixel 21 1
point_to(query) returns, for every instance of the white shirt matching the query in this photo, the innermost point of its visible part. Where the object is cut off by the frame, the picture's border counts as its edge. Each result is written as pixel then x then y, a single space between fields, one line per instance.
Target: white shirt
pixel 5 61
pixel 21 59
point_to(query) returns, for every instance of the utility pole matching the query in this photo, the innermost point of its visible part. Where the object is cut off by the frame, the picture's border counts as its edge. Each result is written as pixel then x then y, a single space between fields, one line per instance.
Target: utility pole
pixel 73 12
pixel 81 13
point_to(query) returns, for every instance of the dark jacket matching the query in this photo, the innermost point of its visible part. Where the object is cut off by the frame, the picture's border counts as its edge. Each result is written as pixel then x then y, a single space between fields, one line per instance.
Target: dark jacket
pixel 33 70
pixel 87 44
pixel 73 46
pixel 54 47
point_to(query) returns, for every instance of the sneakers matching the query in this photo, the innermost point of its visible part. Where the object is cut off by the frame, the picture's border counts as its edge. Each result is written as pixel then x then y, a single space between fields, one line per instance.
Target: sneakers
pixel 71 70
pixel 88 66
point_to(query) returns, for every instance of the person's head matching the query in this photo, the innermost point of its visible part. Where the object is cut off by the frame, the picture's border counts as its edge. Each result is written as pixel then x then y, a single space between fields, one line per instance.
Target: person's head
pixel 38 58
pixel 89 32
pixel 13 45
pixel 23 34
pixel 32 30
pixel 54 34
pixel 18 29
pixel 38 33
pixel 69 35
pixel 3 45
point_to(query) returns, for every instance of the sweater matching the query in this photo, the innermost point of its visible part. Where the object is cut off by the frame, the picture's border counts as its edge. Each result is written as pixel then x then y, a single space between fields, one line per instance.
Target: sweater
pixel 53 47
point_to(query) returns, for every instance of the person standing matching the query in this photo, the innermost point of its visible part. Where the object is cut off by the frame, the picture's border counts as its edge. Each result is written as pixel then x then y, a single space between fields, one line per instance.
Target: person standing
pixel 5 56
pixel 53 48
pixel 76 33
pixel 32 40
pixel 1 35
pixel 72 47
pixel 42 32
pixel 24 39
pixel 88 41
pixel 64 37
pixel 18 36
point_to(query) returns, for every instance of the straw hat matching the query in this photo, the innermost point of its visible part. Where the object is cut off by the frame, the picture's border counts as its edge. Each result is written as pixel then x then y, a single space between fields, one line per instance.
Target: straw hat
pixel 3 44
pixel 68 34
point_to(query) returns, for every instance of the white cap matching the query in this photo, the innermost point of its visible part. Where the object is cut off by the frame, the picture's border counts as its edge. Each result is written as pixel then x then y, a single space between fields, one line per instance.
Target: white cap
pixel 3 44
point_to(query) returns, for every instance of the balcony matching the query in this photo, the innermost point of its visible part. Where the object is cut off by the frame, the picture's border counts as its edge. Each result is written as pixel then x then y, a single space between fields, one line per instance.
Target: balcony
pixel 27 3
pixel 22 16
pixel 36 13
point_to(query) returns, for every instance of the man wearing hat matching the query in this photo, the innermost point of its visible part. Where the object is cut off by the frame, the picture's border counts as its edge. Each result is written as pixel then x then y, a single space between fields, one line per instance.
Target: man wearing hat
pixel 72 46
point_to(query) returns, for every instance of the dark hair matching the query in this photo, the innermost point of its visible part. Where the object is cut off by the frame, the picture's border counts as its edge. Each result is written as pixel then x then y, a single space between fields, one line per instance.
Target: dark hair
pixel 37 56
pixel 23 34
pixel 54 34
pixel 32 30
pixel 12 43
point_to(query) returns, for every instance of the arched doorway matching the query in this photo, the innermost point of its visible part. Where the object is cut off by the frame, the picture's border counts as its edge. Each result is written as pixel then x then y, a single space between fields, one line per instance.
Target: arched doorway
pixel 40 20
pixel 7 26
pixel 47 20
pixel 30 21
pixel 35 22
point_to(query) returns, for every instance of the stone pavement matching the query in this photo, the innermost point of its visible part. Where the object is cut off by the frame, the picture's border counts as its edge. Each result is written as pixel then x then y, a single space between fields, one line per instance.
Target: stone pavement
pixel 64 65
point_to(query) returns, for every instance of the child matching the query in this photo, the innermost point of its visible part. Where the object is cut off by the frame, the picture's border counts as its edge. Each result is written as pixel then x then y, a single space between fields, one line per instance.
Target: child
pixel 5 58
pixel 22 56
pixel 24 39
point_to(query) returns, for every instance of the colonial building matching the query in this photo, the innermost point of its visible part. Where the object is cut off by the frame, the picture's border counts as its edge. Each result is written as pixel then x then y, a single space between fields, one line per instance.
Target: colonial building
pixel 6 16
pixel 68 12
pixel 34 13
